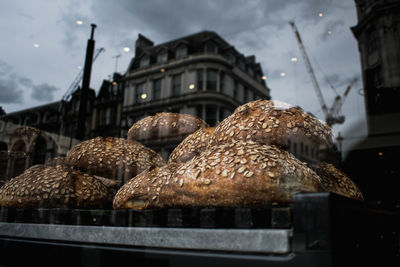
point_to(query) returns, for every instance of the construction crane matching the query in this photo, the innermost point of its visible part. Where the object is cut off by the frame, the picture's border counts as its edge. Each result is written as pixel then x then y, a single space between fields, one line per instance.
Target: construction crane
pixel 67 96
pixel 331 115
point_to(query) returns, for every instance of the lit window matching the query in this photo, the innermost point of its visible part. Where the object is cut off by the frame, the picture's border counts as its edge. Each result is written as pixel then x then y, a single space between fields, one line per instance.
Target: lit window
pixel 140 90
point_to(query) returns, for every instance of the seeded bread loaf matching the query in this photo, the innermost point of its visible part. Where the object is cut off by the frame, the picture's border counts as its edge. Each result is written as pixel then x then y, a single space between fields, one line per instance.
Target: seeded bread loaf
pixel 165 125
pixel 191 146
pixel 111 157
pixel 272 123
pixel 231 175
pixel 139 192
pixel 54 187
pixel 334 180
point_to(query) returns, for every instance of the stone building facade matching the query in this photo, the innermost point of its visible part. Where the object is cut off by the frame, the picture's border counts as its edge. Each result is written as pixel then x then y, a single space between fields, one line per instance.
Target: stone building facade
pixel 200 74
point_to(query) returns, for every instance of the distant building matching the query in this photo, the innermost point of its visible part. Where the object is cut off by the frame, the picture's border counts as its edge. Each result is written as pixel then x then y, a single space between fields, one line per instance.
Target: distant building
pixel 377 33
pixel 107 108
pixel 200 74
pixel 374 163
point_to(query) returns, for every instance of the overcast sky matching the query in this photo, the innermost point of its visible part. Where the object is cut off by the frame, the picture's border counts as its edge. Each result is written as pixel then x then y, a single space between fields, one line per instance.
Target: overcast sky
pixel 42 46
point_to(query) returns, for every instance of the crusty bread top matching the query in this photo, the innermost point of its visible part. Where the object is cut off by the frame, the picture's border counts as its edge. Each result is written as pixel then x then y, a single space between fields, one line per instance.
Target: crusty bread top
pixel 58 186
pixel 191 146
pixel 267 122
pixel 112 157
pixel 165 124
pixel 334 180
pixel 234 175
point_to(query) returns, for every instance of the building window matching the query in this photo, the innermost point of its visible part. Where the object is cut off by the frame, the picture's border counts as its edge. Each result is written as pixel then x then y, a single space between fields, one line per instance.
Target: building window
pixel 222 81
pixel 141 94
pixel 162 57
pixel 199 111
pixel 250 71
pixel 211 115
pixel 246 94
pixel 235 89
pixel 200 79
pixel 157 89
pixel 212 75
pixel 224 113
pixel 145 62
pixel 106 117
pixel 231 58
pixel 181 51
pixel 176 85
pixel 210 47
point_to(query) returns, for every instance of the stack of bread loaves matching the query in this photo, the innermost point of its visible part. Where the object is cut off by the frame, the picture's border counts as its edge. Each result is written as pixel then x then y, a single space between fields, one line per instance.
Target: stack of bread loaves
pixel 88 177
pixel 240 162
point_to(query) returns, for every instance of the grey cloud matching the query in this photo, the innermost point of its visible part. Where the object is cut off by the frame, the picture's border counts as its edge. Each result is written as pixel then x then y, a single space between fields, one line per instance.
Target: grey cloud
pixel 25 81
pixel 10 91
pixel 13 87
pixel 43 92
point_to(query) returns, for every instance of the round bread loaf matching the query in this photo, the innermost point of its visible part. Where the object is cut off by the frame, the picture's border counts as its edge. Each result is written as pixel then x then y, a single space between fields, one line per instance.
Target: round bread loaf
pixel 231 175
pixel 144 185
pixel 165 125
pixel 272 123
pixel 111 157
pixel 54 187
pixel 191 146
pixel 334 180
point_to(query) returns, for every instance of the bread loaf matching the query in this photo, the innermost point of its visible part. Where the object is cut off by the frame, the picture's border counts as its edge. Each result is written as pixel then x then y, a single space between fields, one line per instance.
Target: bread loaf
pixel 164 125
pixel 112 157
pixel 191 146
pixel 244 173
pixel 54 187
pixel 334 180
pixel 272 123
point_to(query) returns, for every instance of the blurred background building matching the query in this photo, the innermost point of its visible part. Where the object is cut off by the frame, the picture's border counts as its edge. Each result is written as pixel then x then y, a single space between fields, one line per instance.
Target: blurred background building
pixel 200 74
pixel 373 163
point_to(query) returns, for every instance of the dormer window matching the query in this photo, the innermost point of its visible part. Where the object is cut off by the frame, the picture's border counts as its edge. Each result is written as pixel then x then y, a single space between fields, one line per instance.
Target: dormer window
pixel 181 51
pixel 210 47
pixel 162 56
pixel 145 62
pixel 231 58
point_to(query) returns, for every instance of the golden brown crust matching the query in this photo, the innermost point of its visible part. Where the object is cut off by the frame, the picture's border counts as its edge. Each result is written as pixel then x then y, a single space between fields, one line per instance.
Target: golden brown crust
pixel 165 125
pixel 193 145
pixel 271 123
pixel 236 174
pixel 54 187
pixel 334 180
pixel 112 157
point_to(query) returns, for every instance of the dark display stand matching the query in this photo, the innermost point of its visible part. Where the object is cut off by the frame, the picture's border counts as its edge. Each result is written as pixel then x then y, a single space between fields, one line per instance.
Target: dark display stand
pixel 317 229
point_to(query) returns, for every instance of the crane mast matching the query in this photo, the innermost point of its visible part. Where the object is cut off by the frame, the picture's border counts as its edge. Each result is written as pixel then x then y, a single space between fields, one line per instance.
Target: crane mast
pixel 310 69
pixel 331 115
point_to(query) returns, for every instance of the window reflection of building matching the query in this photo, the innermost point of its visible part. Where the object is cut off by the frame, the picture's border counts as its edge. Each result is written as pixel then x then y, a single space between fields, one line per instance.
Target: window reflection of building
pixel 201 77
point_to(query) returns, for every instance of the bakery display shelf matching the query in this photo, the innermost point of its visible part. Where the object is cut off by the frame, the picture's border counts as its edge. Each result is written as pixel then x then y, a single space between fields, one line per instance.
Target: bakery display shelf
pixel 317 229
pixel 251 218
